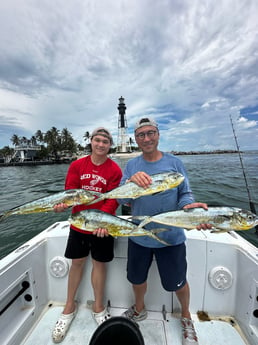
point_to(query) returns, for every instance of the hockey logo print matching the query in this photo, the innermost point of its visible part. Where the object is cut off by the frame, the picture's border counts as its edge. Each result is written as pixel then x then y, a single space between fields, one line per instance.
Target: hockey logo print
pixel 95 183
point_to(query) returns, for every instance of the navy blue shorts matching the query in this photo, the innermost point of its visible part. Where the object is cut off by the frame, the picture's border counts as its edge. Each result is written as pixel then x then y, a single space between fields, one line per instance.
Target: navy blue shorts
pixel 171 262
pixel 79 245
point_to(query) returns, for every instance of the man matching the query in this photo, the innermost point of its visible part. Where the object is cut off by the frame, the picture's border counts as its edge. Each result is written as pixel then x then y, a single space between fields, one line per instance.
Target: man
pixel 96 173
pixel 171 260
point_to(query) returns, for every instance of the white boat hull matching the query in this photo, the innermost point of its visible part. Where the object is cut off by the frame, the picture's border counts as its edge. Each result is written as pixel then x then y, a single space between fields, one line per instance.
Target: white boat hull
pixel 222 273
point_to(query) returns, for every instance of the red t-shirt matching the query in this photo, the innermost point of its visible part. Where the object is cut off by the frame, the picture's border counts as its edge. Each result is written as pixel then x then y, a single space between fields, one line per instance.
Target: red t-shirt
pixel 83 174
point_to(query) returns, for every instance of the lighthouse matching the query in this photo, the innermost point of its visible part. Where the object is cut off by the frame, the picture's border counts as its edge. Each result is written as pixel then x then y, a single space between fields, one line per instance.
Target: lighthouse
pixel 122 127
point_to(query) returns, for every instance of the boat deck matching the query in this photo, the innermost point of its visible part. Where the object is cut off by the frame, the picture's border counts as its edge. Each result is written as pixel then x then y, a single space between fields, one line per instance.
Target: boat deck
pixel 222 273
pixel 155 330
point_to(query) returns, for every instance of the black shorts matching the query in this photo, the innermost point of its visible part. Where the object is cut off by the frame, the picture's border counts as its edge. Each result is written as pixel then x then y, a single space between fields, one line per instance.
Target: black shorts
pixel 79 245
pixel 171 262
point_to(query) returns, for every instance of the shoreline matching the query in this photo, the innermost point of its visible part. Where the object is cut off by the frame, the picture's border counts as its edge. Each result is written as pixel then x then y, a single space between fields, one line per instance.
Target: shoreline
pixel 118 155
pixel 34 163
pixel 191 153
pixel 176 153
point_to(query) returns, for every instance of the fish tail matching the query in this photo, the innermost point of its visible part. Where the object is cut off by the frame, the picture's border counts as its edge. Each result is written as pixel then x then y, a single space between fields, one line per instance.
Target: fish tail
pixel 153 235
pixel 144 220
pixel 3 216
pixel 97 194
pixel 157 231
pixel 99 197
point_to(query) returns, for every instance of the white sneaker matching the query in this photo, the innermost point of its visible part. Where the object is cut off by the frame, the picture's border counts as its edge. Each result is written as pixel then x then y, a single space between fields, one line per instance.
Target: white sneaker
pixel 189 334
pixel 134 315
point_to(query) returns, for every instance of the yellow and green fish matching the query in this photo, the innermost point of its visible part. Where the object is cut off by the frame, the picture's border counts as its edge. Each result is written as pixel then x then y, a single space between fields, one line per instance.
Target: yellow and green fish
pixel 70 197
pixel 130 190
pixel 90 220
pixel 222 219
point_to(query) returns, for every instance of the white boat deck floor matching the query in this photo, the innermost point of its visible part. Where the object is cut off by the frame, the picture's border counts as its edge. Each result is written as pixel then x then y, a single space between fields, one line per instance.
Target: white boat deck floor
pixel 155 330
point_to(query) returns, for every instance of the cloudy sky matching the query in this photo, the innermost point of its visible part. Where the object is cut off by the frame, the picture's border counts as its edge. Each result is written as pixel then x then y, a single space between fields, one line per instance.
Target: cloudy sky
pixel 187 63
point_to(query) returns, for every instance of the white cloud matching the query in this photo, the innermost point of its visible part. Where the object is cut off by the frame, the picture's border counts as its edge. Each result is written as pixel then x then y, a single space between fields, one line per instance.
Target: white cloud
pixel 245 123
pixel 188 64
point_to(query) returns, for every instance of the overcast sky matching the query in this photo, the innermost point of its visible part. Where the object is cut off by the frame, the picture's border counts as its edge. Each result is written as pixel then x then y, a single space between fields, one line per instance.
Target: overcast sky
pixel 187 63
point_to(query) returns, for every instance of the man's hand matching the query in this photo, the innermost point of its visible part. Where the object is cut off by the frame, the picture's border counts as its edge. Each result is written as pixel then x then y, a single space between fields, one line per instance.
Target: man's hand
pixel 195 205
pixel 141 179
pixel 60 208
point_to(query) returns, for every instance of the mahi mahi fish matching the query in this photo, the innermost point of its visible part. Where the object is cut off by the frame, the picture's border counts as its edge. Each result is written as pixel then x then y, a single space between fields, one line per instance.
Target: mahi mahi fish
pixel 130 190
pixel 70 197
pixel 222 219
pixel 90 220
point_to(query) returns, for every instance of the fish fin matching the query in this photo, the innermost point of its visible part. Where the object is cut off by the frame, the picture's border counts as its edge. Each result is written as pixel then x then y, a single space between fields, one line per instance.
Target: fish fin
pixel 158 192
pixel 218 231
pixel 137 196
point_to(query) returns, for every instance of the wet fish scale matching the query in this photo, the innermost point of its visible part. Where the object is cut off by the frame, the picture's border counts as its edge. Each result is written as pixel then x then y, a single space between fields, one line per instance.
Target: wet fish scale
pixel 90 220
pixel 130 190
pixel 221 218
pixel 69 197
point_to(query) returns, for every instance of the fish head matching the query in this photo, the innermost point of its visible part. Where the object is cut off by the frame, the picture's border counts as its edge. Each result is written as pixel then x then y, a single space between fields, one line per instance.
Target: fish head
pixel 84 196
pixel 78 220
pixel 174 179
pixel 78 197
pixel 244 220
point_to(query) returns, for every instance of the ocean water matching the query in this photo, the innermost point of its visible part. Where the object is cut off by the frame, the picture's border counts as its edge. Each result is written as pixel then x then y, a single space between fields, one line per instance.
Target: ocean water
pixel 216 179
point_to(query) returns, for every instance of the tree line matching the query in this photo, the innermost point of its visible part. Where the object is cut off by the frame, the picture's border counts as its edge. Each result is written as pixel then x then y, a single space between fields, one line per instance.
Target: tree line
pixel 52 143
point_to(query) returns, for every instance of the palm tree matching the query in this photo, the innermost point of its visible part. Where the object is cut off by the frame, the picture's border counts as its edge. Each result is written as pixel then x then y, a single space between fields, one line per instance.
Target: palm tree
pixel 53 141
pixel 39 136
pixel 67 141
pixel 6 151
pixel 15 140
pixel 24 140
pixel 33 140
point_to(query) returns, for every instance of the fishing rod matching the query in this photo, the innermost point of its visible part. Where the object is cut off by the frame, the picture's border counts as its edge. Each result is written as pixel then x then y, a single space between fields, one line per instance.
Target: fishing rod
pixel 251 203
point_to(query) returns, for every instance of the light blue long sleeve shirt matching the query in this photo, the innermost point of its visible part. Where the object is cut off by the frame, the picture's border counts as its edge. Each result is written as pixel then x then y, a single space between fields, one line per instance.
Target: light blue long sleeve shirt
pixel 170 200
